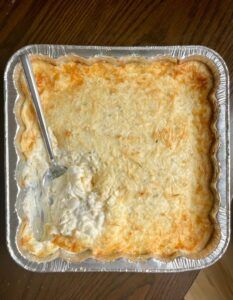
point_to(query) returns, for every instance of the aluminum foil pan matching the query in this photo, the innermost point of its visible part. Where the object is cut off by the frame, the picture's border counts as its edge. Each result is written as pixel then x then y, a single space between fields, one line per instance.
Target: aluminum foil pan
pixel 179 264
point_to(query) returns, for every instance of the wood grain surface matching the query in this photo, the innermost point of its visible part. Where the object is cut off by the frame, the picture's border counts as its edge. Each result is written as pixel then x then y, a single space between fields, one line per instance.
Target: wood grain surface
pixel 216 282
pixel 173 22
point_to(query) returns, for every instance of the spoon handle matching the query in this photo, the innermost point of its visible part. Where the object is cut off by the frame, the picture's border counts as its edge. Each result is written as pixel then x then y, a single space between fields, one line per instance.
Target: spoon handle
pixel 37 103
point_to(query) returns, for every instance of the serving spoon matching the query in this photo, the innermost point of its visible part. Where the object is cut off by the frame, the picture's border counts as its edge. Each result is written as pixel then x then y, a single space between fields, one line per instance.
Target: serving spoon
pixel 55 170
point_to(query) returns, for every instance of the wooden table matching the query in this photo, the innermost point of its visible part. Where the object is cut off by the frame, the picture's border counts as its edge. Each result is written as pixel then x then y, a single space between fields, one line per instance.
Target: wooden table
pixel 113 22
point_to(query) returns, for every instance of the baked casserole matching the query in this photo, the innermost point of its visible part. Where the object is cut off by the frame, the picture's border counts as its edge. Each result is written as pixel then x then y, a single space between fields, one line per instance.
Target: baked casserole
pixel 137 137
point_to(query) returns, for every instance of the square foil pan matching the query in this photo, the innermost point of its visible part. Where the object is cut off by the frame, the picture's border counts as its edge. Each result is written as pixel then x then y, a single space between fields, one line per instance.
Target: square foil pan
pixel 179 264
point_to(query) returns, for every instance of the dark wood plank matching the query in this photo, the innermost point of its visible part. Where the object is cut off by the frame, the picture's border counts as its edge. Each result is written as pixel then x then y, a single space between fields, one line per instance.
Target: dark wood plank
pixel 16 283
pixel 133 22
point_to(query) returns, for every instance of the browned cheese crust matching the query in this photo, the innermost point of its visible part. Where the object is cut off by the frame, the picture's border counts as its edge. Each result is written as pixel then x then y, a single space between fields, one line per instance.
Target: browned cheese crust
pixel 150 123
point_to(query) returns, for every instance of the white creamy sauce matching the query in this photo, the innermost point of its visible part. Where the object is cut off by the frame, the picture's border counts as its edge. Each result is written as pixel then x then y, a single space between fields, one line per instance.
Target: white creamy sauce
pixel 76 209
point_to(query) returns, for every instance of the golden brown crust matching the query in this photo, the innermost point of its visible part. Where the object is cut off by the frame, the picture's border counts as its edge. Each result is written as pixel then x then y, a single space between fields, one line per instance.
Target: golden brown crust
pixel 173 111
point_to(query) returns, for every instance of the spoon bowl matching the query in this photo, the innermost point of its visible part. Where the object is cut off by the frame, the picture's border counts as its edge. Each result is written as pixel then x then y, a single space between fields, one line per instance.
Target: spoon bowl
pixel 53 172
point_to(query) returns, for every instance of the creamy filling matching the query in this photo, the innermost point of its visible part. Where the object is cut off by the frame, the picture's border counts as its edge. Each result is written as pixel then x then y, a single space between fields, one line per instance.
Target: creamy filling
pixel 75 209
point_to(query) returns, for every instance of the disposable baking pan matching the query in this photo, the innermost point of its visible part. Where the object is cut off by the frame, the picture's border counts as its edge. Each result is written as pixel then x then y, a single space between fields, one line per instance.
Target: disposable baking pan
pixel 223 156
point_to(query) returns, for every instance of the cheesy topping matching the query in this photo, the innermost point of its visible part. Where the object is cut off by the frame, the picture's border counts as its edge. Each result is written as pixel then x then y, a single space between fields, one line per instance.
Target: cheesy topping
pixel 149 124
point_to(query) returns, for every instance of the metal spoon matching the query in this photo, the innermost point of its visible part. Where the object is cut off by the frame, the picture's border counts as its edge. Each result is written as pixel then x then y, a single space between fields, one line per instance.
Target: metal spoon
pixel 55 169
